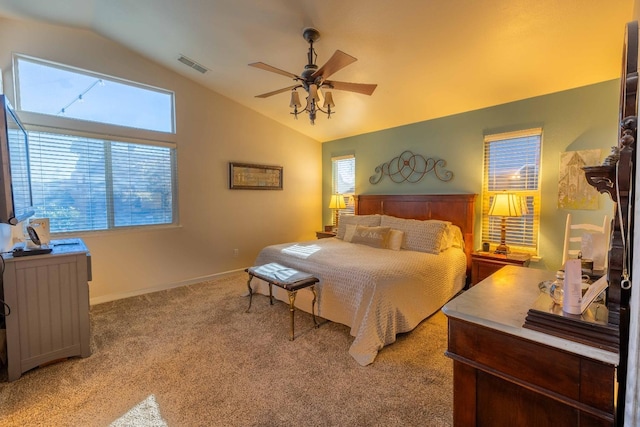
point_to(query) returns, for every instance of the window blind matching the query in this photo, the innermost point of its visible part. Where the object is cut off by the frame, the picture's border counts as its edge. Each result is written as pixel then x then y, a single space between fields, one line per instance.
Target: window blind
pixel 512 163
pixel 84 183
pixel 344 179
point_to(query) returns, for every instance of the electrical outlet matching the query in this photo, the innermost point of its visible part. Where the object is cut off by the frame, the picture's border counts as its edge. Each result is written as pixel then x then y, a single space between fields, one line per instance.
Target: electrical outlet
pixel 236 252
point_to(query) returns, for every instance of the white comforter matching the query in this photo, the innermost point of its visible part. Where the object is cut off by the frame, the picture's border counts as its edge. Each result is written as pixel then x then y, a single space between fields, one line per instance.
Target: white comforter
pixel 377 292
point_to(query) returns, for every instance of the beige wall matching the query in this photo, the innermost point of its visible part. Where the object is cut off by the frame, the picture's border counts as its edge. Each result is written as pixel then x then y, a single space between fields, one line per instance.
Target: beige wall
pixel 211 131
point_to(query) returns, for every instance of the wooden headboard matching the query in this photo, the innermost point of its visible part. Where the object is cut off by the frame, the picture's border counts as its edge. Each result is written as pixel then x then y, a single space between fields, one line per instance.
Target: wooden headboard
pixel 457 208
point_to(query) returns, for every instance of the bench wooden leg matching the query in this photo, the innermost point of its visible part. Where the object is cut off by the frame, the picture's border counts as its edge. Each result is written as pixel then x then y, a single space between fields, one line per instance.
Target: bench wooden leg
pixel 313 306
pixel 250 292
pixel 292 300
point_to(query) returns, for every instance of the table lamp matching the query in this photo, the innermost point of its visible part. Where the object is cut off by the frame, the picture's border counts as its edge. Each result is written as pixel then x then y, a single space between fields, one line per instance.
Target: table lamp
pixel 336 203
pixel 506 205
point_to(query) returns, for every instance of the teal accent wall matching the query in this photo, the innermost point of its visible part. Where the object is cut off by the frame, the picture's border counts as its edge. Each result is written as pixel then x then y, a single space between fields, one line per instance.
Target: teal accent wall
pixel 578 119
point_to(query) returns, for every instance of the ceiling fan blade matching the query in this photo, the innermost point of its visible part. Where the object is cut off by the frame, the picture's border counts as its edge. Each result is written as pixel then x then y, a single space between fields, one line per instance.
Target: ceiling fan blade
pixel 275 92
pixel 337 62
pixel 363 88
pixel 266 67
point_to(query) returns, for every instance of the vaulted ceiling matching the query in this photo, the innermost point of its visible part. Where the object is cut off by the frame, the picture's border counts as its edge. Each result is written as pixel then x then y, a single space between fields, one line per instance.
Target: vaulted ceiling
pixel 430 58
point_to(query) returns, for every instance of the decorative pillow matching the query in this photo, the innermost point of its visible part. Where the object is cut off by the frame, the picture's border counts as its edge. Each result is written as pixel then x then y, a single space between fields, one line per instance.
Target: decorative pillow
pixel 371 236
pixel 422 236
pixel 368 220
pixel 394 241
pixel 349 232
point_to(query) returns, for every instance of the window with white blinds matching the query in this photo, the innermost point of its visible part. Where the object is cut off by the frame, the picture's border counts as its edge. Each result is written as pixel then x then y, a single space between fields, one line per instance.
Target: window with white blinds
pixel 344 180
pixel 512 163
pixel 83 183
pixel 80 178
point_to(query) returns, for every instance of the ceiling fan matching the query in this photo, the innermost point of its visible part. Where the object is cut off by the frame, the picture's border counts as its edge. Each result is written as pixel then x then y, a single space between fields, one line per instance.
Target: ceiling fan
pixel 313 79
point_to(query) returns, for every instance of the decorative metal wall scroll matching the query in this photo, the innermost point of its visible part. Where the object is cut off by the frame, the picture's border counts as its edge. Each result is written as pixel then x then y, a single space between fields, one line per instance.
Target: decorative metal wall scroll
pixel 412 168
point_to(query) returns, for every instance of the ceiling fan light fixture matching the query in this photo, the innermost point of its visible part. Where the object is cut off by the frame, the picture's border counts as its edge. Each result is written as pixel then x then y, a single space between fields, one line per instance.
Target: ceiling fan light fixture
pixel 314 79
pixel 328 100
pixel 313 92
pixel 295 100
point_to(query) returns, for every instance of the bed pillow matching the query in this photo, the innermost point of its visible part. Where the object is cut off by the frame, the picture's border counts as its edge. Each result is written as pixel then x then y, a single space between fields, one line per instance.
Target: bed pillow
pixel 456 239
pixel 452 238
pixel 371 236
pixel 422 236
pixel 394 241
pixel 349 232
pixel 368 220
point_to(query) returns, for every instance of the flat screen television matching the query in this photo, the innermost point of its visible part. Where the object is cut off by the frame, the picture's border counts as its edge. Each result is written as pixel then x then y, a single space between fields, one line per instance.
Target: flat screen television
pixel 15 184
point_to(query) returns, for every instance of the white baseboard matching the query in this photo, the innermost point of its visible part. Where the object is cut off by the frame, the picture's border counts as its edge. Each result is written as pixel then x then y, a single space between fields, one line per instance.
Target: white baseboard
pixel 162 287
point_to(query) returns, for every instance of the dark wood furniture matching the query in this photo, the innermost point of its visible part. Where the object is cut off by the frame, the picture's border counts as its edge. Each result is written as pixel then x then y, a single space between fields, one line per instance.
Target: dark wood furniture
pixel 457 208
pixel 484 264
pixel 290 280
pixel 507 375
pixel 616 177
pixel 325 234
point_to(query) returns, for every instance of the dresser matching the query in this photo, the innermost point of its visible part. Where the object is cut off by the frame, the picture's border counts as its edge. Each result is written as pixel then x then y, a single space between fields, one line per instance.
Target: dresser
pixel 507 375
pixel 48 296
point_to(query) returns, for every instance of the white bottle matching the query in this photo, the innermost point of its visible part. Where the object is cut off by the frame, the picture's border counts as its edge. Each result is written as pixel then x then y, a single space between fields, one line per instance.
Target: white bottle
pixel 572 298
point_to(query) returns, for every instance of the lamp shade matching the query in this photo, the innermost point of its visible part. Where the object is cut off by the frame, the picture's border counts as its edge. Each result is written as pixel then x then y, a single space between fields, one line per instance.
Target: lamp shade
pixel 313 93
pixel 506 204
pixel 337 202
pixel 295 100
pixel 328 100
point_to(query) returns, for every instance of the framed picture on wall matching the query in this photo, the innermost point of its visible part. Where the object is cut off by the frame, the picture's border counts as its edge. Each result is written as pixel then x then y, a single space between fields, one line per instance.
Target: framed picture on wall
pixel 244 176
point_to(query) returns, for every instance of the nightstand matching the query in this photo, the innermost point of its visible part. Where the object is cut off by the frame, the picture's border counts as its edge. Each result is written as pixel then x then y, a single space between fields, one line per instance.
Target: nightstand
pixel 325 234
pixel 484 264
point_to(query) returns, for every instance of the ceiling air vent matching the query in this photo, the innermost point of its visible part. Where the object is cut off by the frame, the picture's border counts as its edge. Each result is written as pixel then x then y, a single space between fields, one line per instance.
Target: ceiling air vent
pixel 193 64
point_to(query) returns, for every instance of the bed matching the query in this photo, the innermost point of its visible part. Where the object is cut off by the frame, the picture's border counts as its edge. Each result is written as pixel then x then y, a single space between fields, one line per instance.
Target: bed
pixel 380 288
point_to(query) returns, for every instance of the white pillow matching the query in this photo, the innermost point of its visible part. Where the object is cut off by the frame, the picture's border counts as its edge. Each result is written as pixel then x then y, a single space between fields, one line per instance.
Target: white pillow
pixel 349 232
pixel 368 220
pixel 394 241
pixel 422 236
pixel 452 238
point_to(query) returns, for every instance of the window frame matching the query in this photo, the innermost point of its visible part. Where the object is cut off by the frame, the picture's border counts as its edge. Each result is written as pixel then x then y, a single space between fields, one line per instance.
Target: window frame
pixel 349 199
pixel 524 230
pixel 63 122
pixel 61 125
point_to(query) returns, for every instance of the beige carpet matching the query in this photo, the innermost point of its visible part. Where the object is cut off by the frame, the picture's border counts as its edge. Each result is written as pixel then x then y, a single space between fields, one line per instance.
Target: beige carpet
pixel 191 356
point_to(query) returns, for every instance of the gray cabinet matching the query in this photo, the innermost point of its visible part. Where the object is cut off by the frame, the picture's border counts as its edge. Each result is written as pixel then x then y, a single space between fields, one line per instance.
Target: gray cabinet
pixel 49 300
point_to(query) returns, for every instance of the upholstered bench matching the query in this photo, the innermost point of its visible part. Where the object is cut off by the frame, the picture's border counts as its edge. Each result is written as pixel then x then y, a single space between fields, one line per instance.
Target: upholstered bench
pixel 290 280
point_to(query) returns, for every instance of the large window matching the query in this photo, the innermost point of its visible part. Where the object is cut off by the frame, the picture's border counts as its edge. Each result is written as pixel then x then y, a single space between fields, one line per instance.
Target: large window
pixel 54 89
pixel 85 183
pixel 512 164
pixel 344 180
pixel 83 180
